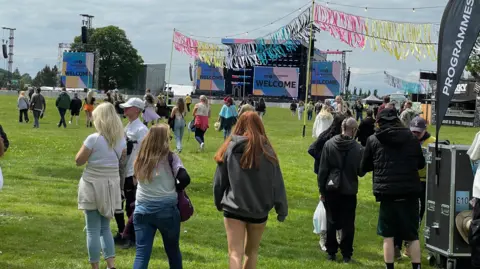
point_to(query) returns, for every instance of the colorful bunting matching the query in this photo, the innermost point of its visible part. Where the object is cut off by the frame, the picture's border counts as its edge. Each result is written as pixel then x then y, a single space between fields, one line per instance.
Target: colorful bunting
pixel 406 86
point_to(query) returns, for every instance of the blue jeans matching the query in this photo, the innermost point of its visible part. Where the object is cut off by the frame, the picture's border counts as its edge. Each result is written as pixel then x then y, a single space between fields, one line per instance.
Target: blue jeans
pixel 178 130
pixel 226 133
pixel 99 236
pixel 359 116
pixel 167 221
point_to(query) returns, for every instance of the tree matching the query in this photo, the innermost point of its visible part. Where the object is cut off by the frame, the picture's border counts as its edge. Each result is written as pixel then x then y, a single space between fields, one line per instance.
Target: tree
pixel 354 90
pixel 16 74
pixel 369 93
pixel 119 61
pixel 473 65
pixel 375 93
pixel 46 77
pixel 360 92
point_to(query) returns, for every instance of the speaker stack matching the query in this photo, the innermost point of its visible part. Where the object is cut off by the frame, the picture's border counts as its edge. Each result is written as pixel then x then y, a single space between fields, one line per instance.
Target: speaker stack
pixel 84 35
pixel 4 49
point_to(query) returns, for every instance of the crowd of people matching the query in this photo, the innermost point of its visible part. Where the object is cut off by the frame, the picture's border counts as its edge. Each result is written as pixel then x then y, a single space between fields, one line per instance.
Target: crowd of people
pixel 131 171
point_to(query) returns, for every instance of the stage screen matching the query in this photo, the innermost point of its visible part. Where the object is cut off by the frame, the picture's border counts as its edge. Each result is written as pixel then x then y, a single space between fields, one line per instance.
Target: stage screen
pixel 276 81
pixel 209 78
pixel 326 78
pixel 77 69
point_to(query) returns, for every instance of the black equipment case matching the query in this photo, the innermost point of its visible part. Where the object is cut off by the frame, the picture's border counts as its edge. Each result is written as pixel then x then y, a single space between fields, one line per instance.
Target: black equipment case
pixel 445 199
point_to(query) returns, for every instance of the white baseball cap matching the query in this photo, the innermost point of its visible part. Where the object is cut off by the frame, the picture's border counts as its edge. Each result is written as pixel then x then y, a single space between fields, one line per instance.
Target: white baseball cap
pixel 134 102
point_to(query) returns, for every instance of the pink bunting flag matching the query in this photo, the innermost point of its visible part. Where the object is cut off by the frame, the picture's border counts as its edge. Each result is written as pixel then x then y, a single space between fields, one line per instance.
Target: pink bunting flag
pixel 185 44
pixel 349 29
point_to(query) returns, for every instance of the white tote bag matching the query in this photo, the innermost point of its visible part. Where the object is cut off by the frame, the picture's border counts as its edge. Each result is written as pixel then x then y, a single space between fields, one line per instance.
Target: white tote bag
pixel 1 179
pixel 319 219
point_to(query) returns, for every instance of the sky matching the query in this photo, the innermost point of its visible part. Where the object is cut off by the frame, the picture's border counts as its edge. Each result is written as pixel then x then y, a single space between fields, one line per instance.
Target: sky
pixel 43 24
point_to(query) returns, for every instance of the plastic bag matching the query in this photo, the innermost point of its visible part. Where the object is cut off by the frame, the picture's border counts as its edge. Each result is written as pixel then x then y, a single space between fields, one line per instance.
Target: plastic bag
pixel 319 219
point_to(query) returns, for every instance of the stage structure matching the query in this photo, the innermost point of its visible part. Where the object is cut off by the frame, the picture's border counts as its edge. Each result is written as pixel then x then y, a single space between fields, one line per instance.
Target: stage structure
pixel 283 78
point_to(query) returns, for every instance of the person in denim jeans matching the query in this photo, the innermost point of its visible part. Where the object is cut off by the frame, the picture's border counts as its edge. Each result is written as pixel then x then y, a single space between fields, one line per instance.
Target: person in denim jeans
pixel 98 192
pixel 156 198
pixel 178 114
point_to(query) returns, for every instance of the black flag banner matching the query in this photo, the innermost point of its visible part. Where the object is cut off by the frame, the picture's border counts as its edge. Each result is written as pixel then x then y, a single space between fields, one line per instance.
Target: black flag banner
pixel 459 30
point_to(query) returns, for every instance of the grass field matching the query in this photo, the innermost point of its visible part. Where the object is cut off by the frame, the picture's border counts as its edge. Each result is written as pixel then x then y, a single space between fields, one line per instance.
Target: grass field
pixel 40 226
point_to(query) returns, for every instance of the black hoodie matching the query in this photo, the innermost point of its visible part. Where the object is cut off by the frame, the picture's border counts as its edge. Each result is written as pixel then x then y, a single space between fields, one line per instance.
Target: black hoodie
pixel 395 156
pixel 341 157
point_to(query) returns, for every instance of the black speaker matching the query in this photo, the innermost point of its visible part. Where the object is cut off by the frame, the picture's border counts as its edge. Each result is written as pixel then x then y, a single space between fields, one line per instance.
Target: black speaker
pixel 4 49
pixel 348 78
pixel 312 51
pixel 428 76
pixel 84 35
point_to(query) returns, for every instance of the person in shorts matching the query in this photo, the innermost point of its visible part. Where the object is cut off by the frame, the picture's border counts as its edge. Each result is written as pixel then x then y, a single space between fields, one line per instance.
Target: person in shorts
pixel 394 155
pixel 75 107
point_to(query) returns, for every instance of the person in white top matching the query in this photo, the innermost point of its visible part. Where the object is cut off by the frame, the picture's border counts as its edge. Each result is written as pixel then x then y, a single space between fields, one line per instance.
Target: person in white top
pixel 98 194
pixel 474 154
pixel 135 131
pixel 178 116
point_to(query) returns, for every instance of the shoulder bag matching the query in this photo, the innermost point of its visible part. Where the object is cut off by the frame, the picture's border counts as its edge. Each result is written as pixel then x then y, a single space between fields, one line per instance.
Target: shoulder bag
pixel 184 203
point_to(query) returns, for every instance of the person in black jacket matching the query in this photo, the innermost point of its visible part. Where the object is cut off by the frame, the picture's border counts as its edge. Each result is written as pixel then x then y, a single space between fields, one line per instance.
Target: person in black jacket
pixel 366 128
pixel 338 185
pixel 261 108
pixel 395 156
pixel 3 135
pixel 75 107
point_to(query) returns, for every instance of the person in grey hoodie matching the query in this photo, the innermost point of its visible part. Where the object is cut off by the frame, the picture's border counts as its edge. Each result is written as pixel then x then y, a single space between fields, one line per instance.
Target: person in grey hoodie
pixel 248 183
pixel 338 184
pixel 38 106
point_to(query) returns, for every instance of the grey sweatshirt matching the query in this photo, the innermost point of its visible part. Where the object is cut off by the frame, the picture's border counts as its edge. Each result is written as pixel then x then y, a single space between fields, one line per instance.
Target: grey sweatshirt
pixel 249 193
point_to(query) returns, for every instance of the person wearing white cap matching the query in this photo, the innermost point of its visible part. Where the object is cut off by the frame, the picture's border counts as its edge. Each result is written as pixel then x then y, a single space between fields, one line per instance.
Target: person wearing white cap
pixel 135 131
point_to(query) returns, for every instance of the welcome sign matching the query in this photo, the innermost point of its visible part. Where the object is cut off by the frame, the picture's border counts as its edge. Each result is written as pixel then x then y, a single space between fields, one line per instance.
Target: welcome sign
pixel 209 78
pixel 276 81
pixel 77 69
pixel 326 78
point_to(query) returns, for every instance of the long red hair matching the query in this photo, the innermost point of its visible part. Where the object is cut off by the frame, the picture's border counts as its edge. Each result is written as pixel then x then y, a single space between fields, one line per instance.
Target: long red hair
pixel 251 126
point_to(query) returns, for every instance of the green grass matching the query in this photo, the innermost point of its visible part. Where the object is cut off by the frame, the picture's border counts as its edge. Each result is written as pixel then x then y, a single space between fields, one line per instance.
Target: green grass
pixel 40 226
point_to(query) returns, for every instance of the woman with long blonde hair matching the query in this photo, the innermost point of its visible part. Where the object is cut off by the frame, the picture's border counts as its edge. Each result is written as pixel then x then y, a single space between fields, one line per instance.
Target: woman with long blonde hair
pixel 89 106
pixel 248 183
pixel 99 188
pixel 23 105
pixel 178 116
pixel 322 122
pixel 160 174
pixel 201 113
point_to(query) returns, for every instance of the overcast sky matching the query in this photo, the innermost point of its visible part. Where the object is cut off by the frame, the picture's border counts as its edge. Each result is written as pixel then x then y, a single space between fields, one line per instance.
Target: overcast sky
pixel 42 24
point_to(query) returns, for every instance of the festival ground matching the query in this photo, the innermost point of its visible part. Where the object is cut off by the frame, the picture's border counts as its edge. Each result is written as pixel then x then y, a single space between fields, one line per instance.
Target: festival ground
pixel 40 226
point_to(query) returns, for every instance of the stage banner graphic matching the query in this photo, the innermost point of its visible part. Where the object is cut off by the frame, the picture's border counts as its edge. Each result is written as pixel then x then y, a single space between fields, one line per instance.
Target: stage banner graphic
pixel 459 30
pixel 326 78
pixel 276 81
pixel 77 69
pixel 209 78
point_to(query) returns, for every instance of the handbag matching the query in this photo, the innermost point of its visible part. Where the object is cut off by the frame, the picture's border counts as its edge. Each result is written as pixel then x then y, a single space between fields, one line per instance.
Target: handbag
pixel 184 203
pixel 334 184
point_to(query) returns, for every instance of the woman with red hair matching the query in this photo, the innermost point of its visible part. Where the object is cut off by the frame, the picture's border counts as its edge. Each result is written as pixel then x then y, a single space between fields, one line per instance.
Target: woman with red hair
pixel 248 184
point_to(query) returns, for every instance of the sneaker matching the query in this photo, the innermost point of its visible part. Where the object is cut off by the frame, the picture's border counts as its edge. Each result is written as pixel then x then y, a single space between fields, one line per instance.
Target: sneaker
pixel 69 122
pixel 398 253
pixel 332 258
pixel 202 146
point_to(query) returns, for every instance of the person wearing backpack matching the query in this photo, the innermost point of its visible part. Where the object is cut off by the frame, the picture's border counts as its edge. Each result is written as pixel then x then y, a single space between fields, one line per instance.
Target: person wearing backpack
pixel 161 180
pixel 338 185
pixel 63 104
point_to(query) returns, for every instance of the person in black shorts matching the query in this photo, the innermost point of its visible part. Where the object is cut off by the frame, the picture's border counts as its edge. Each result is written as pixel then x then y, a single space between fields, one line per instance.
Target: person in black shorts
pixel 75 107
pixel 395 156
pixel 248 183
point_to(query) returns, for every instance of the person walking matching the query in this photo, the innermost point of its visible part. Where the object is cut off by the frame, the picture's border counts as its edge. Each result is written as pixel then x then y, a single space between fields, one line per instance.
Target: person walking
pixel 386 101
pixel 261 108
pixel 408 114
pixel 366 128
pixel 395 156
pixel 474 234
pixel 38 106
pixel 160 175
pixel 300 110
pixel 89 106
pixel 318 107
pixel 323 120
pixel 135 132
pixel 178 115
pixel 75 107
pixel 22 105
pixel 338 184
pixel 201 114
pixel 188 101
pixel 6 142
pixel 149 115
pixel 310 107
pixel 118 101
pixel 293 108
pixel 248 183
pixel 98 194
pixel 358 107
pixel 227 117
pixel 63 104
